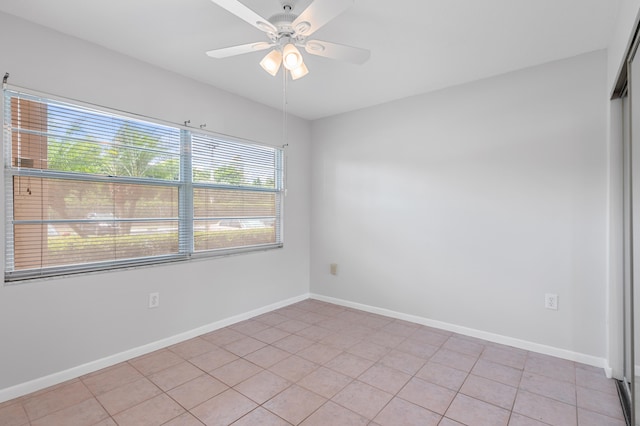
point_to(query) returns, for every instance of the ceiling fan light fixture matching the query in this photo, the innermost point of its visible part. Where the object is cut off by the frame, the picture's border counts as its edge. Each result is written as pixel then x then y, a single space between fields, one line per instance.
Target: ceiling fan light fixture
pixel 299 72
pixel 287 31
pixel 271 62
pixel 291 57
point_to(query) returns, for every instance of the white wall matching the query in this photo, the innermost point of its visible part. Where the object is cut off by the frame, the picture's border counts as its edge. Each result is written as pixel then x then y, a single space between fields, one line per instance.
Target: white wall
pixel 48 326
pixel 469 204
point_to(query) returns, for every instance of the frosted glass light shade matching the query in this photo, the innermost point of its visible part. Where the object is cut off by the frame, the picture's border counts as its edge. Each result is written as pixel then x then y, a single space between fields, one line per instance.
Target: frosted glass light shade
pixel 271 62
pixel 299 72
pixel 291 57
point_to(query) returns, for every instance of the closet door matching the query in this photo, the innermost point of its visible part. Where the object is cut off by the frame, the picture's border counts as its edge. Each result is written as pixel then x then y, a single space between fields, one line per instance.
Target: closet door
pixel 632 293
pixel 628 321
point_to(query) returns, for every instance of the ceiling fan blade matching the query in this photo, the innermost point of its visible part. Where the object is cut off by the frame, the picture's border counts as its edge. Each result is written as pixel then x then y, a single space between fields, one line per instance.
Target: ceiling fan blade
pixel 243 12
pixel 225 52
pixel 355 55
pixel 318 14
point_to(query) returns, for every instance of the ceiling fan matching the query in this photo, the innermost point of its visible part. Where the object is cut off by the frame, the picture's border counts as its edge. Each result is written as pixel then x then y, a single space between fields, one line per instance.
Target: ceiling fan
pixel 286 31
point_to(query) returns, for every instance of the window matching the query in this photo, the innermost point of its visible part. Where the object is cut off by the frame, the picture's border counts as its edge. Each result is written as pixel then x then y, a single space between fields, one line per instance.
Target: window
pixel 236 201
pixel 88 190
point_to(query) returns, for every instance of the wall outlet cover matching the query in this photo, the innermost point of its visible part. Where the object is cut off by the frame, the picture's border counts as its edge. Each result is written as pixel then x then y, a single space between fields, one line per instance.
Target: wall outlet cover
pixel 154 300
pixel 333 268
pixel 551 301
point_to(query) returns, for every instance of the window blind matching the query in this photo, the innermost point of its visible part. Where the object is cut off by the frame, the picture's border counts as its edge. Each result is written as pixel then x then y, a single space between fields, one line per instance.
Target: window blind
pixel 87 189
pixel 237 194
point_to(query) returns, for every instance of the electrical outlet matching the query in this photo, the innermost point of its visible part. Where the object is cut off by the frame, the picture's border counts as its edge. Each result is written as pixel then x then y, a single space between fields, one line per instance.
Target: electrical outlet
pixel 551 301
pixel 154 300
pixel 333 268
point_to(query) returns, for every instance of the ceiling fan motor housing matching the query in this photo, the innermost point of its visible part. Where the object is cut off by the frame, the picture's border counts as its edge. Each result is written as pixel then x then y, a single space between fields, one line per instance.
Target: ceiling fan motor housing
pixel 282 22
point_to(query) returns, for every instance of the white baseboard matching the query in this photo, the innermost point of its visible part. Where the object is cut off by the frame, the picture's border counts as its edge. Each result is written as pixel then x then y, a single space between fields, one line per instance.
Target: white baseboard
pixel 74 372
pixel 608 371
pixel 491 337
pixel 80 370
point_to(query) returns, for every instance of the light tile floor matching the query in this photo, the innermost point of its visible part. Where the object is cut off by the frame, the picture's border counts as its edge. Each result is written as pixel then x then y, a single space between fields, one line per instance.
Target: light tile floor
pixel 314 363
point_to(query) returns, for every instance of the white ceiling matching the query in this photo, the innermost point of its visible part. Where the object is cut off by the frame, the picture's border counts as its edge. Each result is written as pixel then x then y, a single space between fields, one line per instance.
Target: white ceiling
pixel 416 46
